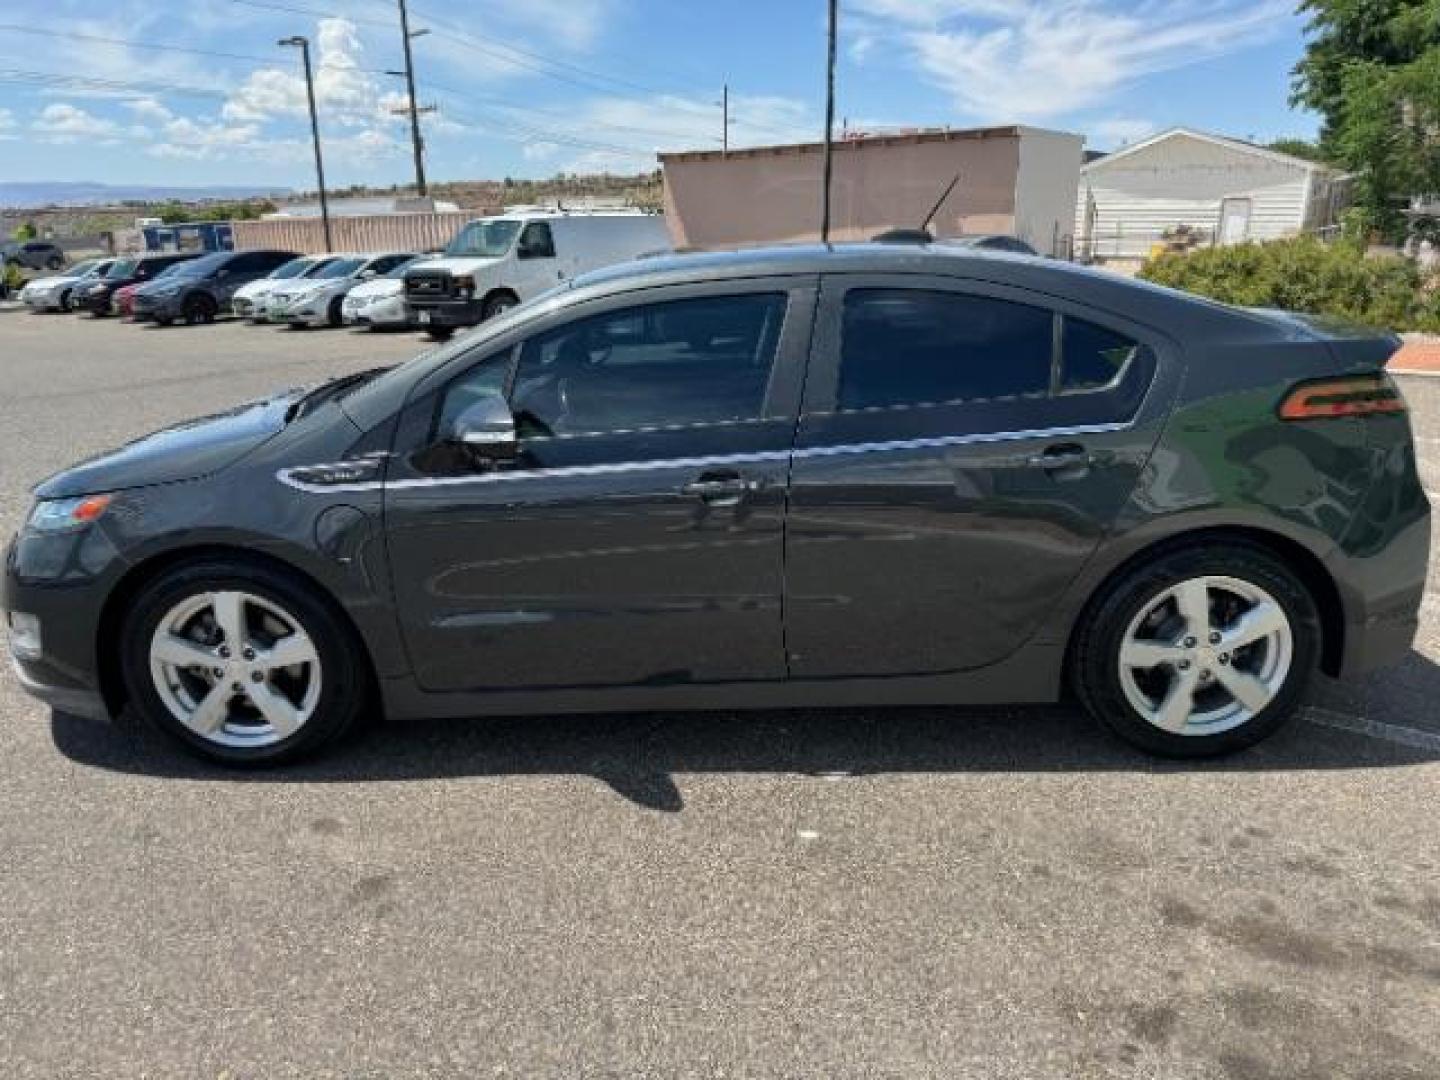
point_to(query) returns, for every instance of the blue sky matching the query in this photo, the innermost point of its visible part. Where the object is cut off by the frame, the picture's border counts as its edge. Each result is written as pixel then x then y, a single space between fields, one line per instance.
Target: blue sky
pixel 531 87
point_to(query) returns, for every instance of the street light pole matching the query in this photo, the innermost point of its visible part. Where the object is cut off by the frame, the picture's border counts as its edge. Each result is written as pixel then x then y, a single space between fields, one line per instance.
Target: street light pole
pixel 303 44
pixel 829 123
pixel 415 139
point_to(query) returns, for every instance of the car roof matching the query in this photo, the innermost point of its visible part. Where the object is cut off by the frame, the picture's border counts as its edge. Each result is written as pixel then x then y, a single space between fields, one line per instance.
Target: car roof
pixel 1139 300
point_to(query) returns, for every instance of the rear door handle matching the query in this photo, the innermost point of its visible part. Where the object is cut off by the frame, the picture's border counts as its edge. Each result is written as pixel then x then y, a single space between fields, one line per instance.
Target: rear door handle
pixel 1066 456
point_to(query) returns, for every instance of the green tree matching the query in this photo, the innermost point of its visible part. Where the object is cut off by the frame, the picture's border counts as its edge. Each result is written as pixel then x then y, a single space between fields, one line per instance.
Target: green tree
pixel 1370 70
pixel 25 231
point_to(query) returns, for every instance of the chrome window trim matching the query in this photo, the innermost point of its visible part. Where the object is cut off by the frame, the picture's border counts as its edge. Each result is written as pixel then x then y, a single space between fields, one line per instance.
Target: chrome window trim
pixel 619 467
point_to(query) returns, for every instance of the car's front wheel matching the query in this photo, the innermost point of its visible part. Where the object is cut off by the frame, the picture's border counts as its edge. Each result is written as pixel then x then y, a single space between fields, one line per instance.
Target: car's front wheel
pixel 1200 651
pixel 241 663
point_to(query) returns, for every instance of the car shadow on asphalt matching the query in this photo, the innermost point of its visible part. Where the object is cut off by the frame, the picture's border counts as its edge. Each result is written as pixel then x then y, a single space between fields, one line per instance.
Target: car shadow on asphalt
pixel 639 755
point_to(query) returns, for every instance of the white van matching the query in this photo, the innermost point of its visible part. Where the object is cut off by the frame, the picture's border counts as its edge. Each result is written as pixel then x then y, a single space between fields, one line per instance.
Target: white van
pixel 495 263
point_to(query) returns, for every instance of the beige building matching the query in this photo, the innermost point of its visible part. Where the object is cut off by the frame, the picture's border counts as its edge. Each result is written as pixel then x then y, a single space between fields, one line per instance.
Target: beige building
pixel 1020 181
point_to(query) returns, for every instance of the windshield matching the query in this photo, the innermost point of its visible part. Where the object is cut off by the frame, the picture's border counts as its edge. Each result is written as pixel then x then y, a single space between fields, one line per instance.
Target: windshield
pixel 399 271
pixel 201 267
pixel 484 239
pixel 80 269
pixel 313 270
pixel 293 268
pixel 340 268
pixel 122 268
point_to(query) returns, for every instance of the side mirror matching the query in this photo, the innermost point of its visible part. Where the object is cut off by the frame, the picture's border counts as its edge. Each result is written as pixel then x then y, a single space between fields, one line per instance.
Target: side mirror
pixel 486 429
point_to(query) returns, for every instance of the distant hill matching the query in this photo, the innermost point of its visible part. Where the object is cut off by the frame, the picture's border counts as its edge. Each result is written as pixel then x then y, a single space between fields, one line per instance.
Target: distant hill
pixel 40 193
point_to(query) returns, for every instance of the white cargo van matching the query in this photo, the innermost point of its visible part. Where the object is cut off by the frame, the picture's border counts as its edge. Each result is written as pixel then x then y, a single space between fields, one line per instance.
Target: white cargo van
pixel 495 263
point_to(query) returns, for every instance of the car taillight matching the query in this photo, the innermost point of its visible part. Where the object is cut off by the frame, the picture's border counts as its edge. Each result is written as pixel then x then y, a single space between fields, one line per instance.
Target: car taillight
pixel 1326 399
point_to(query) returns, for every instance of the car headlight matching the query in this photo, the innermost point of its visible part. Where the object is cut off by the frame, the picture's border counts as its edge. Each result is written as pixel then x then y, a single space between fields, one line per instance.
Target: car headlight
pixel 59 515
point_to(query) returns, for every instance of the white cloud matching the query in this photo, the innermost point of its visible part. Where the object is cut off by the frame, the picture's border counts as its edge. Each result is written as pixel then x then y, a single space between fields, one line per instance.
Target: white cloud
pixel 7 124
pixel 64 123
pixel 1028 60
pixel 1118 131
pixel 345 93
pixel 627 133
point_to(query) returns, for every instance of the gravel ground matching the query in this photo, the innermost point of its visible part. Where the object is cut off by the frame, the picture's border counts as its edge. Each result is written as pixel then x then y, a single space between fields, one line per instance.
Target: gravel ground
pixel 882 893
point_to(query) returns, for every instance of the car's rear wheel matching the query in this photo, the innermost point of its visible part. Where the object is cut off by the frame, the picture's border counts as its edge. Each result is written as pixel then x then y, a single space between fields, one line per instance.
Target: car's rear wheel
pixel 241 663
pixel 1200 651
pixel 199 309
pixel 334 315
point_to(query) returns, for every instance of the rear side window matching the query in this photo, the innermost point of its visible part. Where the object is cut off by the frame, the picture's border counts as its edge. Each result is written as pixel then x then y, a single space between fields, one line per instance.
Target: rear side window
pixel 915 347
pixel 1094 358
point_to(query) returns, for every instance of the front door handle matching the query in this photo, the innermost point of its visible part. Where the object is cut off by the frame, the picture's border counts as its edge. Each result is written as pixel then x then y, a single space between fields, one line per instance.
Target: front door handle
pixel 1066 457
pixel 721 489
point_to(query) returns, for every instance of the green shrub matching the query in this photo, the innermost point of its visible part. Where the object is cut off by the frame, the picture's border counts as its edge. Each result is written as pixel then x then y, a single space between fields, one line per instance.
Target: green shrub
pixel 1308 276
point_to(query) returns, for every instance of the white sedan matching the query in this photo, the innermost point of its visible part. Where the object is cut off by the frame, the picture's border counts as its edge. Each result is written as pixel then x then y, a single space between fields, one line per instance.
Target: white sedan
pixel 250 301
pixel 319 300
pixel 379 303
pixel 55 293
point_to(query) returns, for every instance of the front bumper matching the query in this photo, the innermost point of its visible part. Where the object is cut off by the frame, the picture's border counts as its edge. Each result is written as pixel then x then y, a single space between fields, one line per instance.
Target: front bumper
pixel 44 686
pixel 61 580
pixel 386 311
pixel 41 301
pixel 448 314
pixel 155 307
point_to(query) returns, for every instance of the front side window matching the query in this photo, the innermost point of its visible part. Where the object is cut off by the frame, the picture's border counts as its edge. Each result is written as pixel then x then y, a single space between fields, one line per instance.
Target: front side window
pixel 670 364
pixel 536 242
pixel 916 347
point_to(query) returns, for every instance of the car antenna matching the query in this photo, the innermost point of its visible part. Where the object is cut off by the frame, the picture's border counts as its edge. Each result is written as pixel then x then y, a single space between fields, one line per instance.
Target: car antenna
pixel 921 235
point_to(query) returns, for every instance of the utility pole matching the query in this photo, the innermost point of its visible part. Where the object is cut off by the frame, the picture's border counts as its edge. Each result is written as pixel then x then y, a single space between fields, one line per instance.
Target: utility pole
pixel 829 122
pixel 303 44
pixel 725 120
pixel 415 138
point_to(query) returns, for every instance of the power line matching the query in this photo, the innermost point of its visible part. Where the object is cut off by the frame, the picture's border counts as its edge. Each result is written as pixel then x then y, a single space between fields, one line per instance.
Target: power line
pixel 110 86
pixel 130 43
pixel 559 70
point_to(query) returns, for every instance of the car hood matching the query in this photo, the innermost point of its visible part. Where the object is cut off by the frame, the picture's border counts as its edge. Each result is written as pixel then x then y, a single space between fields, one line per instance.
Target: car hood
pixel 379 287
pixel 263 287
pixel 184 452
pixel 41 284
pixel 454 265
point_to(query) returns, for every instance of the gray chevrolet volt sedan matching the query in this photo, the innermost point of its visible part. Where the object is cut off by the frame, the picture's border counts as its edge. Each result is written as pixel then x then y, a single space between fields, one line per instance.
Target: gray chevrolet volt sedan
pixel 854 476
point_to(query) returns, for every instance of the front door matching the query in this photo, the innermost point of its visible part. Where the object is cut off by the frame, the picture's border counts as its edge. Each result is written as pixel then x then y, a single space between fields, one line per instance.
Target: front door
pixel 962 450
pixel 1234 221
pixel 636 538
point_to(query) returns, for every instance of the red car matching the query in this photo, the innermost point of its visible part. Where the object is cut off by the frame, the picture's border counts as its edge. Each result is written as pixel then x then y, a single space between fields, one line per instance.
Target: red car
pixel 124 301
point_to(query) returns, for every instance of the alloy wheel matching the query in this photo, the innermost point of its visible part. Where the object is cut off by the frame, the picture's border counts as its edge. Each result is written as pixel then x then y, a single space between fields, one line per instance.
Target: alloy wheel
pixel 1206 655
pixel 235 668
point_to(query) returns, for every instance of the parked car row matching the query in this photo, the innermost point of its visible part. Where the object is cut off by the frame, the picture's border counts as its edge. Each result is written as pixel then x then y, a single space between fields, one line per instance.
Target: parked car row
pixel 493 264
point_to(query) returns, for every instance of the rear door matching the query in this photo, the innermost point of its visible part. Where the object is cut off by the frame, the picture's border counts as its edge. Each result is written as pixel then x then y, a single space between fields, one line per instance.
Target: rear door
pixel 963 449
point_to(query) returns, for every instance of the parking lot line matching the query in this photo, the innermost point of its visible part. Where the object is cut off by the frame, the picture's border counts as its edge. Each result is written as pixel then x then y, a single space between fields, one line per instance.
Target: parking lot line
pixel 1375 729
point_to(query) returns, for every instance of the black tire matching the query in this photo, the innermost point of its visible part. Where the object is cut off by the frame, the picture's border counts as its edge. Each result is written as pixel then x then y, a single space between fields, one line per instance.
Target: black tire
pixel 333 314
pixel 498 304
pixel 345 682
pixel 65 305
pixel 200 308
pixel 1095 655
pixel 163 321
pixel 440 333
pixel 55 263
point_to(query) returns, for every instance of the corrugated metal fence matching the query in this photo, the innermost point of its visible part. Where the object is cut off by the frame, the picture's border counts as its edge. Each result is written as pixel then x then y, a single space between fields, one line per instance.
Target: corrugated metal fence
pixel 381 232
